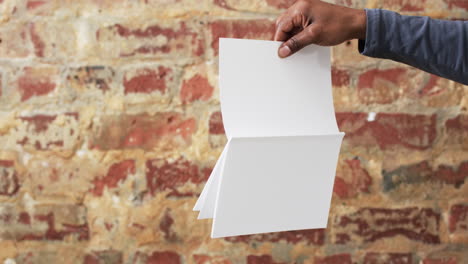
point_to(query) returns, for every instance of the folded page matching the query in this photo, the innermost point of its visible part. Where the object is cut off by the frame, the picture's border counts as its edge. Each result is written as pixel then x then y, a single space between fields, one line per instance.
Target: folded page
pixel 274 184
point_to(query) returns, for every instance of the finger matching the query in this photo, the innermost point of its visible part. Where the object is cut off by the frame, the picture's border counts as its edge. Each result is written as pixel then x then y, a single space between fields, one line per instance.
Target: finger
pixel 283 27
pixel 307 36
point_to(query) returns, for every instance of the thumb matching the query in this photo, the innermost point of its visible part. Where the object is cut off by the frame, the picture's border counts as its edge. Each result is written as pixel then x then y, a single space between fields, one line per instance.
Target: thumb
pixel 307 36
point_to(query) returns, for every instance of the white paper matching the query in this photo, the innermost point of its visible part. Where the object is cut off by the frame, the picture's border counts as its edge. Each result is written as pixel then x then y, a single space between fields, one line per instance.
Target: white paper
pixel 277 170
pixel 263 95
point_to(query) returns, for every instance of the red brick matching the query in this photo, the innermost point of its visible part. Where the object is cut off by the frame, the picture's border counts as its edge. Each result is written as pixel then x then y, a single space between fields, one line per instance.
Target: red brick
pixel 388 258
pixel 157 257
pixel 37 41
pixel 36 82
pixel 423 172
pixel 52 41
pixel 340 77
pixel 334 259
pixel 216 124
pixel 309 236
pixel 281 4
pixel 42 7
pixel 250 29
pixel 33 4
pixel 458 219
pixel 196 88
pixel 351 179
pixel 373 224
pixel 263 259
pixel 90 78
pixel 42 132
pixel 14 40
pixel 388 130
pixel 165 225
pixel 165 131
pixel 405 5
pixel 164 176
pixel 116 174
pixel 457 131
pixel 69 177
pixel 453 4
pixel 9 183
pixel 205 259
pixel 182 40
pixel 48 222
pixel 430 88
pixel 381 86
pixel 103 257
pixel 448 260
pixel 147 80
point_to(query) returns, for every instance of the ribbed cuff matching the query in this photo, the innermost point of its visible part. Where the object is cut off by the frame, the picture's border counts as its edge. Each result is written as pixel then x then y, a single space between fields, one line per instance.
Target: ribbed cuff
pixel 369 46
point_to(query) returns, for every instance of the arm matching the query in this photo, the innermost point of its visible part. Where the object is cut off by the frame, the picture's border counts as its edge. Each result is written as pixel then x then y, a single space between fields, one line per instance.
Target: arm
pixel 436 46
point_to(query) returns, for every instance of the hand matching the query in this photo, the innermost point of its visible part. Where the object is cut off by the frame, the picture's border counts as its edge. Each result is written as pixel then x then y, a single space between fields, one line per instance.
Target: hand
pixel 316 22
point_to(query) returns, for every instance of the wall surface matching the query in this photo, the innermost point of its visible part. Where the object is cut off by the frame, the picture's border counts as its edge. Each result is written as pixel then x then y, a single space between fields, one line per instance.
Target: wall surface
pixel 110 126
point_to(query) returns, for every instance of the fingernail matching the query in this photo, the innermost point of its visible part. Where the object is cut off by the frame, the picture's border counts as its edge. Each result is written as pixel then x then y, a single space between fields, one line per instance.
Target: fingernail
pixel 284 51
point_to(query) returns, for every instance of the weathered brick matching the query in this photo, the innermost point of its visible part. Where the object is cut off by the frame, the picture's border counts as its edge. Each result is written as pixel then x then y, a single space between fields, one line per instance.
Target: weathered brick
pixel 196 85
pixel 405 5
pixel 457 132
pixel 14 41
pixel 165 225
pixel 104 257
pixel 216 137
pixel 216 126
pixel 43 255
pixel 170 177
pixel 266 6
pixel 166 257
pixel 37 81
pixel 448 260
pixel 309 236
pixel 117 173
pixel 347 55
pixel 205 259
pixel 9 183
pixel 148 80
pixel 250 29
pixel 92 78
pixel 41 7
pixel 388 258
pixel 458 219
pixel 388 130
pixel 343 258
pixel 49 132
pixel 457 4
pixel 351 179
pixel 47 222
pixel 164 131
pixel 53 39
pixel 340 77
pixel 173 40
pixel 377 86
pixel 372 224
pixel 423 172
pixel 263 259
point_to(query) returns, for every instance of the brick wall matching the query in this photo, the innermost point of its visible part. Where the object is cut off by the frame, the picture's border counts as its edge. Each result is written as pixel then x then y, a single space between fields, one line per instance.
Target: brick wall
pixel 110 126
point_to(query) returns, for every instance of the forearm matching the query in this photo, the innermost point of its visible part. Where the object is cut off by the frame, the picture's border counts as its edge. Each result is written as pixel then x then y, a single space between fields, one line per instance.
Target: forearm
pixel 436 46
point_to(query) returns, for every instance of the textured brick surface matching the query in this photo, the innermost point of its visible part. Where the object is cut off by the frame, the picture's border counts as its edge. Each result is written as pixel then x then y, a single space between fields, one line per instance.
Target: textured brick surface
pixel 110 125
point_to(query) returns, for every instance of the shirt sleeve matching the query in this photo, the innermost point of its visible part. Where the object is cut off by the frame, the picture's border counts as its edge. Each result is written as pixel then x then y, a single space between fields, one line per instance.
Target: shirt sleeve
pixel 436 46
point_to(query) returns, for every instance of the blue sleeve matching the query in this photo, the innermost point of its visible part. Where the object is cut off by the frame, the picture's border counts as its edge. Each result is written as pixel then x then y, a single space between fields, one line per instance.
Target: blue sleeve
pixel 436 46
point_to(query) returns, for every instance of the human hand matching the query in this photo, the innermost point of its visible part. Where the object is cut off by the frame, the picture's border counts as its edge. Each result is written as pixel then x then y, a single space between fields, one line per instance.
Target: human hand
pixel 316 22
